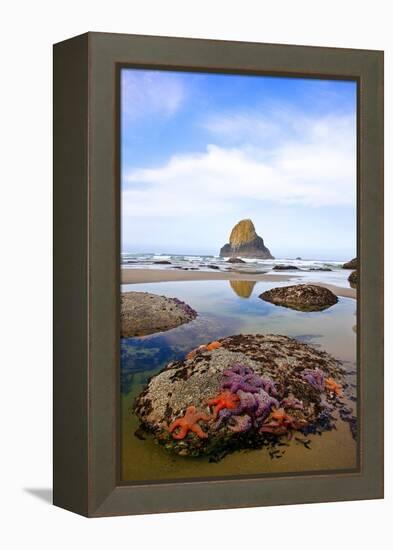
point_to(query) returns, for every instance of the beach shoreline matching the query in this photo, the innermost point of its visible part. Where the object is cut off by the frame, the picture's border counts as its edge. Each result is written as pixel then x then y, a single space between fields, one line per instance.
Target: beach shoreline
pixel 137 276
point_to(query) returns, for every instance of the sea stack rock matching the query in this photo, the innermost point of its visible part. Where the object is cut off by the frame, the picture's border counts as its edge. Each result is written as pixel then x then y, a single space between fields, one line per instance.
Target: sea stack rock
pixel 245 242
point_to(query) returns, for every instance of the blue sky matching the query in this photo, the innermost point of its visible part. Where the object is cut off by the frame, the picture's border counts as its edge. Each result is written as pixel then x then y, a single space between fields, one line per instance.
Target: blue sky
pixel 201 151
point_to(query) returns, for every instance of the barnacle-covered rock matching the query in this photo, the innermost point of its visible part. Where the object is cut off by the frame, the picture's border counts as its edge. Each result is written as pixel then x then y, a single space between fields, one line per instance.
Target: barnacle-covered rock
pixel 143 313
pixel 249 388
pixel 301 297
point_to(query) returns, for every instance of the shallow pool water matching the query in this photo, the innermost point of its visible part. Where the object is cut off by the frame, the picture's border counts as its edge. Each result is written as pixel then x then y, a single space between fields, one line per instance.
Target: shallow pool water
pixel 225 308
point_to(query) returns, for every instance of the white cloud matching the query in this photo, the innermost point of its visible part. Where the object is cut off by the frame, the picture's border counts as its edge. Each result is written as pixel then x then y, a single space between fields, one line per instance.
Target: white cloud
pixel 314 166
pixel 150 93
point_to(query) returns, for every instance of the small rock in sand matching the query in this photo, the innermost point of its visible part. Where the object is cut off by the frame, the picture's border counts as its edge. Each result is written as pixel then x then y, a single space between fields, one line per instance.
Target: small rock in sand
pixel 284 267
pixel 142 313
pixel 235 261
pixel 301 297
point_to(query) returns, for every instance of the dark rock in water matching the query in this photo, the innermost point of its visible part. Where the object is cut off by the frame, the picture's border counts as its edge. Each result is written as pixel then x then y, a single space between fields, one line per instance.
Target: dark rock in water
pixel 285 267
pixel 235 261
pixel 142 313
pixel 298 258
pixel 353 279
pixel 244 241
pixel 243 391
pixel 301 297
pixel 212 266
pixel 320 269
pixel 352 264
pixel 163 262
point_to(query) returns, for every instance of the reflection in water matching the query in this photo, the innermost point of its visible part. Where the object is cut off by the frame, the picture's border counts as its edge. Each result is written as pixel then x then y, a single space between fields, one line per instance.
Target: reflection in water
pixel 243 288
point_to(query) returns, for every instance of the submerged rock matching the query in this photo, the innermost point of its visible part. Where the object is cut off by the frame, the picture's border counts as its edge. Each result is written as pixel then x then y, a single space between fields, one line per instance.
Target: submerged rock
pixel 235 261
pixel 352 264
pixel 142 313
pixel 162 262
pixel 284 267
pixel 240 393
pixel 244 241
pixel 301 297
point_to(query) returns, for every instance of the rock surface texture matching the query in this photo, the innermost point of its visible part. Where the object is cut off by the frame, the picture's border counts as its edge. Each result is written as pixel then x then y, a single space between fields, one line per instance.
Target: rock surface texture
pixel 142 313
pixel 244 241
pixel 239 393
pixel 301 297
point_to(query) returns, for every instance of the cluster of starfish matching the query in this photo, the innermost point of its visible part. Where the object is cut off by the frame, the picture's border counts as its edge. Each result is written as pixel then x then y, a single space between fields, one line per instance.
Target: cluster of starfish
pixel 241 377
pixel 279 423
pixel 224 400
pixel 247 400
pixel 316 379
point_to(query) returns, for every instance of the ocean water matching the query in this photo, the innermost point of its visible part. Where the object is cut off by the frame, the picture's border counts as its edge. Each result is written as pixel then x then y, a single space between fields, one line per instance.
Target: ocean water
pixel 204 263
pixel 225 308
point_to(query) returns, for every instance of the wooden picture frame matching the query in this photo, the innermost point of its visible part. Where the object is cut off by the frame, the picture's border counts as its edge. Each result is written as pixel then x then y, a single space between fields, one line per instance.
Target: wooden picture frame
pixel 86 272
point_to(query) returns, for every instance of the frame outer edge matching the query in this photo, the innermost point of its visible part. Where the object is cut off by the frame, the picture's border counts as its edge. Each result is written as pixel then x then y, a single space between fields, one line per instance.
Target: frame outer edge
pixel 371 273
pixel 105 498
pixel 70 272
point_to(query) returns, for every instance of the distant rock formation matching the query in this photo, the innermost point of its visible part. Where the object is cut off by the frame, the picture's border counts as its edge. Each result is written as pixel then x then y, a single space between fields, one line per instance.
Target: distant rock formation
pixel 245 242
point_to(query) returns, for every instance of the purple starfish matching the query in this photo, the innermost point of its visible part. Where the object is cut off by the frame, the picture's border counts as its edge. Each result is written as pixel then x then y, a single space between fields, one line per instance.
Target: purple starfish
pixel 241 369
pixel 315 377
pixel 241 377
pixel 268 385
pixel 265 403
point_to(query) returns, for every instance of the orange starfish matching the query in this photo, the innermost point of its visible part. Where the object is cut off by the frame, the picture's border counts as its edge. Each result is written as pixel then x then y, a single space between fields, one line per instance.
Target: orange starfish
pixel 213 345
pixel 189 423
pixel 332 386
pixel 203 347
pixel 280 416
pixel 279 422
pixel 224 400
pixel 193 353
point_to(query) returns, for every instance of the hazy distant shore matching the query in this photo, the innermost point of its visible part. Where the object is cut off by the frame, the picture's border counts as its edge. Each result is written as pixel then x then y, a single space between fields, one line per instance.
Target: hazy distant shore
pixel 134 276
